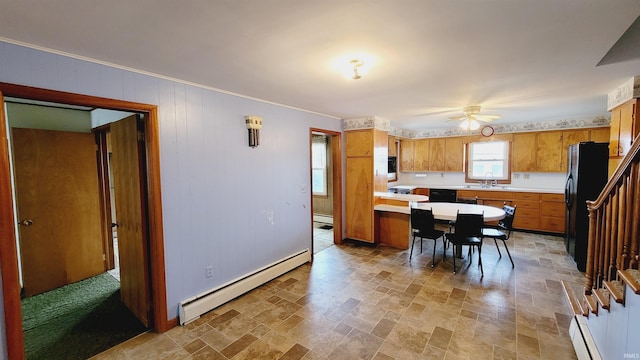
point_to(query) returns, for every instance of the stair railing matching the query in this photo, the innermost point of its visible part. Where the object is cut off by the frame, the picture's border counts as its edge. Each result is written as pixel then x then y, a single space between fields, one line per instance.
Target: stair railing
pixel 614 223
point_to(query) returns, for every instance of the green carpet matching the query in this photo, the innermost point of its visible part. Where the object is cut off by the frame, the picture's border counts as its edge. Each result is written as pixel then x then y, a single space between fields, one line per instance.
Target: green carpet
pixel 77 321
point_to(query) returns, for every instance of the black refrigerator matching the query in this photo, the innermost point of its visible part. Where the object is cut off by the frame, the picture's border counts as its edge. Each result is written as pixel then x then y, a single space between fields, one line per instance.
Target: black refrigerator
pixel 586 177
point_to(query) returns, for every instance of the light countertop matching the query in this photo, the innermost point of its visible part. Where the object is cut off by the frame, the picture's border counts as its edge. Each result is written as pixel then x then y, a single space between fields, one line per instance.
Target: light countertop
pixel 401 197
pixel 478 187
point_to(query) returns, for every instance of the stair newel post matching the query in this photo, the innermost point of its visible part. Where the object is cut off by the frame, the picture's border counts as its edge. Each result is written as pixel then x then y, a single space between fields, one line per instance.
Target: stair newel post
pixel 591 246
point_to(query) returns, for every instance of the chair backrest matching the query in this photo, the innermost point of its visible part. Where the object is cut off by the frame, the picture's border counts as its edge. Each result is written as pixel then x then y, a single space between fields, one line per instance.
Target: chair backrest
pixel 510 213
pixel 469 225
pixel 422 219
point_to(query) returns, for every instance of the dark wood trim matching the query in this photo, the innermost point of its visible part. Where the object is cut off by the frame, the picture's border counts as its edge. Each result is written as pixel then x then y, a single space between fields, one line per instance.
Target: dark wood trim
pixel 8 250
pixel 336 159
pixel 8 254
pixel 158 288
pixel 173 322
pixel 102 156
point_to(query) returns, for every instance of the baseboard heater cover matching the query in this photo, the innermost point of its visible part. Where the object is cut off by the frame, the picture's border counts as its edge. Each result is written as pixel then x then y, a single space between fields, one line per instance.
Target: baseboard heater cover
pixel 192 308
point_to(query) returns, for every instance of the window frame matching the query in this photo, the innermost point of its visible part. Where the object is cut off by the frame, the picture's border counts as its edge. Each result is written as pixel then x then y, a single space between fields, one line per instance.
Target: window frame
pixel 469 160
pixel 325 192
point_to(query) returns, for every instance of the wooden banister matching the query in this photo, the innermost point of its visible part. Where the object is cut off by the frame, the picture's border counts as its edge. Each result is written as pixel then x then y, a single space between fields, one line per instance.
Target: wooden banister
pixel 614 223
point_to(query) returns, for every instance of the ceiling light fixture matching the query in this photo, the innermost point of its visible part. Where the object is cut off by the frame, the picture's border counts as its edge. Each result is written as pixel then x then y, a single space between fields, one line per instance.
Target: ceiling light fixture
pixel 470 124
pixel 356 64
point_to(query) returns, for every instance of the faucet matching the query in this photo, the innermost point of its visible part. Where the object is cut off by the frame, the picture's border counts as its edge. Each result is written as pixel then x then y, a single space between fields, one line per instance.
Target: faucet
pixel 488 182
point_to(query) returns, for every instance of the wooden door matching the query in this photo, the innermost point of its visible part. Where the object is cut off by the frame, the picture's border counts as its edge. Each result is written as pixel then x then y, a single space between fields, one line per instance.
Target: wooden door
pixel 58 208
pixel 127 161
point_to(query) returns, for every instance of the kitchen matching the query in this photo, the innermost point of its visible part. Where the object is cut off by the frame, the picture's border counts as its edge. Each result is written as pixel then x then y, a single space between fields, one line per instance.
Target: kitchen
pixel 435 167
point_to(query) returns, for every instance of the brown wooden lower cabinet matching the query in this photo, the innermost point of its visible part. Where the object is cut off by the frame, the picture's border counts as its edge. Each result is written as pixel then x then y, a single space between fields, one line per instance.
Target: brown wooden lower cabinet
pixel 552 213
pixel 535 211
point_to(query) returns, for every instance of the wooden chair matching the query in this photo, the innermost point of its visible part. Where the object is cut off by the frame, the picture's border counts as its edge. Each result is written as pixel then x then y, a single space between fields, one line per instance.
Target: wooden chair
pixel 502 231
pixel 467 231
pixel 423 226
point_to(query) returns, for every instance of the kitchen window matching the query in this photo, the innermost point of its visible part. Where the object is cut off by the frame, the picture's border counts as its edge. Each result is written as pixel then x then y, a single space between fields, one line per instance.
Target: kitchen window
pixel 488 161
pixel 319 165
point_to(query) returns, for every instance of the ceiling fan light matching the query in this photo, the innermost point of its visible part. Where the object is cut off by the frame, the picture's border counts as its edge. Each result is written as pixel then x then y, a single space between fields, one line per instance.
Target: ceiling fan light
pixel 470 124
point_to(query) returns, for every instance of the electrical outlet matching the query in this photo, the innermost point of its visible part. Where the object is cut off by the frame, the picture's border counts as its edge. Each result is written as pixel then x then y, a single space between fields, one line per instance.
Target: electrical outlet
pixel 526 176
pixel 209 271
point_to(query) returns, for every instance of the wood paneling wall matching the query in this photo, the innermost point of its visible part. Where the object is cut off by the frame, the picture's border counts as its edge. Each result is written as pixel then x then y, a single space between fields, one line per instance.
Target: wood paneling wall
pixel 220 197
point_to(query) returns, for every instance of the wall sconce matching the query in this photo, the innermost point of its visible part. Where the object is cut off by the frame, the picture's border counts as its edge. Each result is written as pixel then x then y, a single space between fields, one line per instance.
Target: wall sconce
pixel 254 124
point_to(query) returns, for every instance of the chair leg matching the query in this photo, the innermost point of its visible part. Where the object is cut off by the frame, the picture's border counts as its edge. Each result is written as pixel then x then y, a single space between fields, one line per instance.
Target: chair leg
pixel 480 258
pixel 444 247
pixel 508 253
pixel 454 258
pixel 412 243
pixel 421 240
pixel 496 242
pixel 433 259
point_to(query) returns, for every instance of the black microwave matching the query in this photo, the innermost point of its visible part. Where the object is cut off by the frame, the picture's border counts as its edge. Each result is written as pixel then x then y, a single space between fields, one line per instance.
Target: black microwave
pixel 393 165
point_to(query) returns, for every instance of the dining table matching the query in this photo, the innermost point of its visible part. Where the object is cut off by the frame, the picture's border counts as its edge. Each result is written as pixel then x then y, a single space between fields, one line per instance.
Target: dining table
pixel 393 222
pixel 449 211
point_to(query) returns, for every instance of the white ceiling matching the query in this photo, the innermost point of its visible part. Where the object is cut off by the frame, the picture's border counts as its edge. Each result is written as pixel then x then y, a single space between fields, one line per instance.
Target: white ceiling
pixel 528 60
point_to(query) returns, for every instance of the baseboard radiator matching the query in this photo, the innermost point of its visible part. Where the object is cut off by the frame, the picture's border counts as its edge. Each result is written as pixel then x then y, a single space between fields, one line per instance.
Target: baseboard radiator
pixel 192 308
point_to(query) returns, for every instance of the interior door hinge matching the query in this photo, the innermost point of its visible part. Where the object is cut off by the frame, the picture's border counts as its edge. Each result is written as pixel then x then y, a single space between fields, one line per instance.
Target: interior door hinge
pixel 140 136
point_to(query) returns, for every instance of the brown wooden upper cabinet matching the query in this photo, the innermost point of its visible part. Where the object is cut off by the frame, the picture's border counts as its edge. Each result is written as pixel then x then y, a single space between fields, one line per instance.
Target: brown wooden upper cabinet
pixel 523 157
pixel 406 155
pixel 454 154
pixel 393 146
pixel 624 128
pixel 543 151
pixel 549 152
pixel 437 154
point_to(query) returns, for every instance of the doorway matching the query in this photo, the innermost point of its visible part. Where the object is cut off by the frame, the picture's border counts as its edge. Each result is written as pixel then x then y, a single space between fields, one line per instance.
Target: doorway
pixel 326 185
pixel 8 253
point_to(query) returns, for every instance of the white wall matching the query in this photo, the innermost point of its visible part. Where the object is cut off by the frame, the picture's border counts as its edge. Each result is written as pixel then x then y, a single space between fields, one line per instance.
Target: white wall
pixel 101 117
pixel 224 204
pixel 47 118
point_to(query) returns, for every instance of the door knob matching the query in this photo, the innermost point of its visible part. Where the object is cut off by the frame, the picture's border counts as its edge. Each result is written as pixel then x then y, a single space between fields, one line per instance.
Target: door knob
pixel 26 222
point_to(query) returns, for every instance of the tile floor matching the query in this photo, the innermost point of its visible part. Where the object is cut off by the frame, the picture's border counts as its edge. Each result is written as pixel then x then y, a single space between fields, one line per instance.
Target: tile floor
pixel 362 302
pixel 322 238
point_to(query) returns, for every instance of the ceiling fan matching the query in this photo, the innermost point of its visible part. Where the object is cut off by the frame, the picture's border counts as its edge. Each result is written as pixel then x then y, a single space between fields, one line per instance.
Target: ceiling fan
pixel 472 116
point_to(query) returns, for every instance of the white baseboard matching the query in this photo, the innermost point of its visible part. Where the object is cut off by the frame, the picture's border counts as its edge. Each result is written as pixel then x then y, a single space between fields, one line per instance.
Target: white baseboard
pixel 191 309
